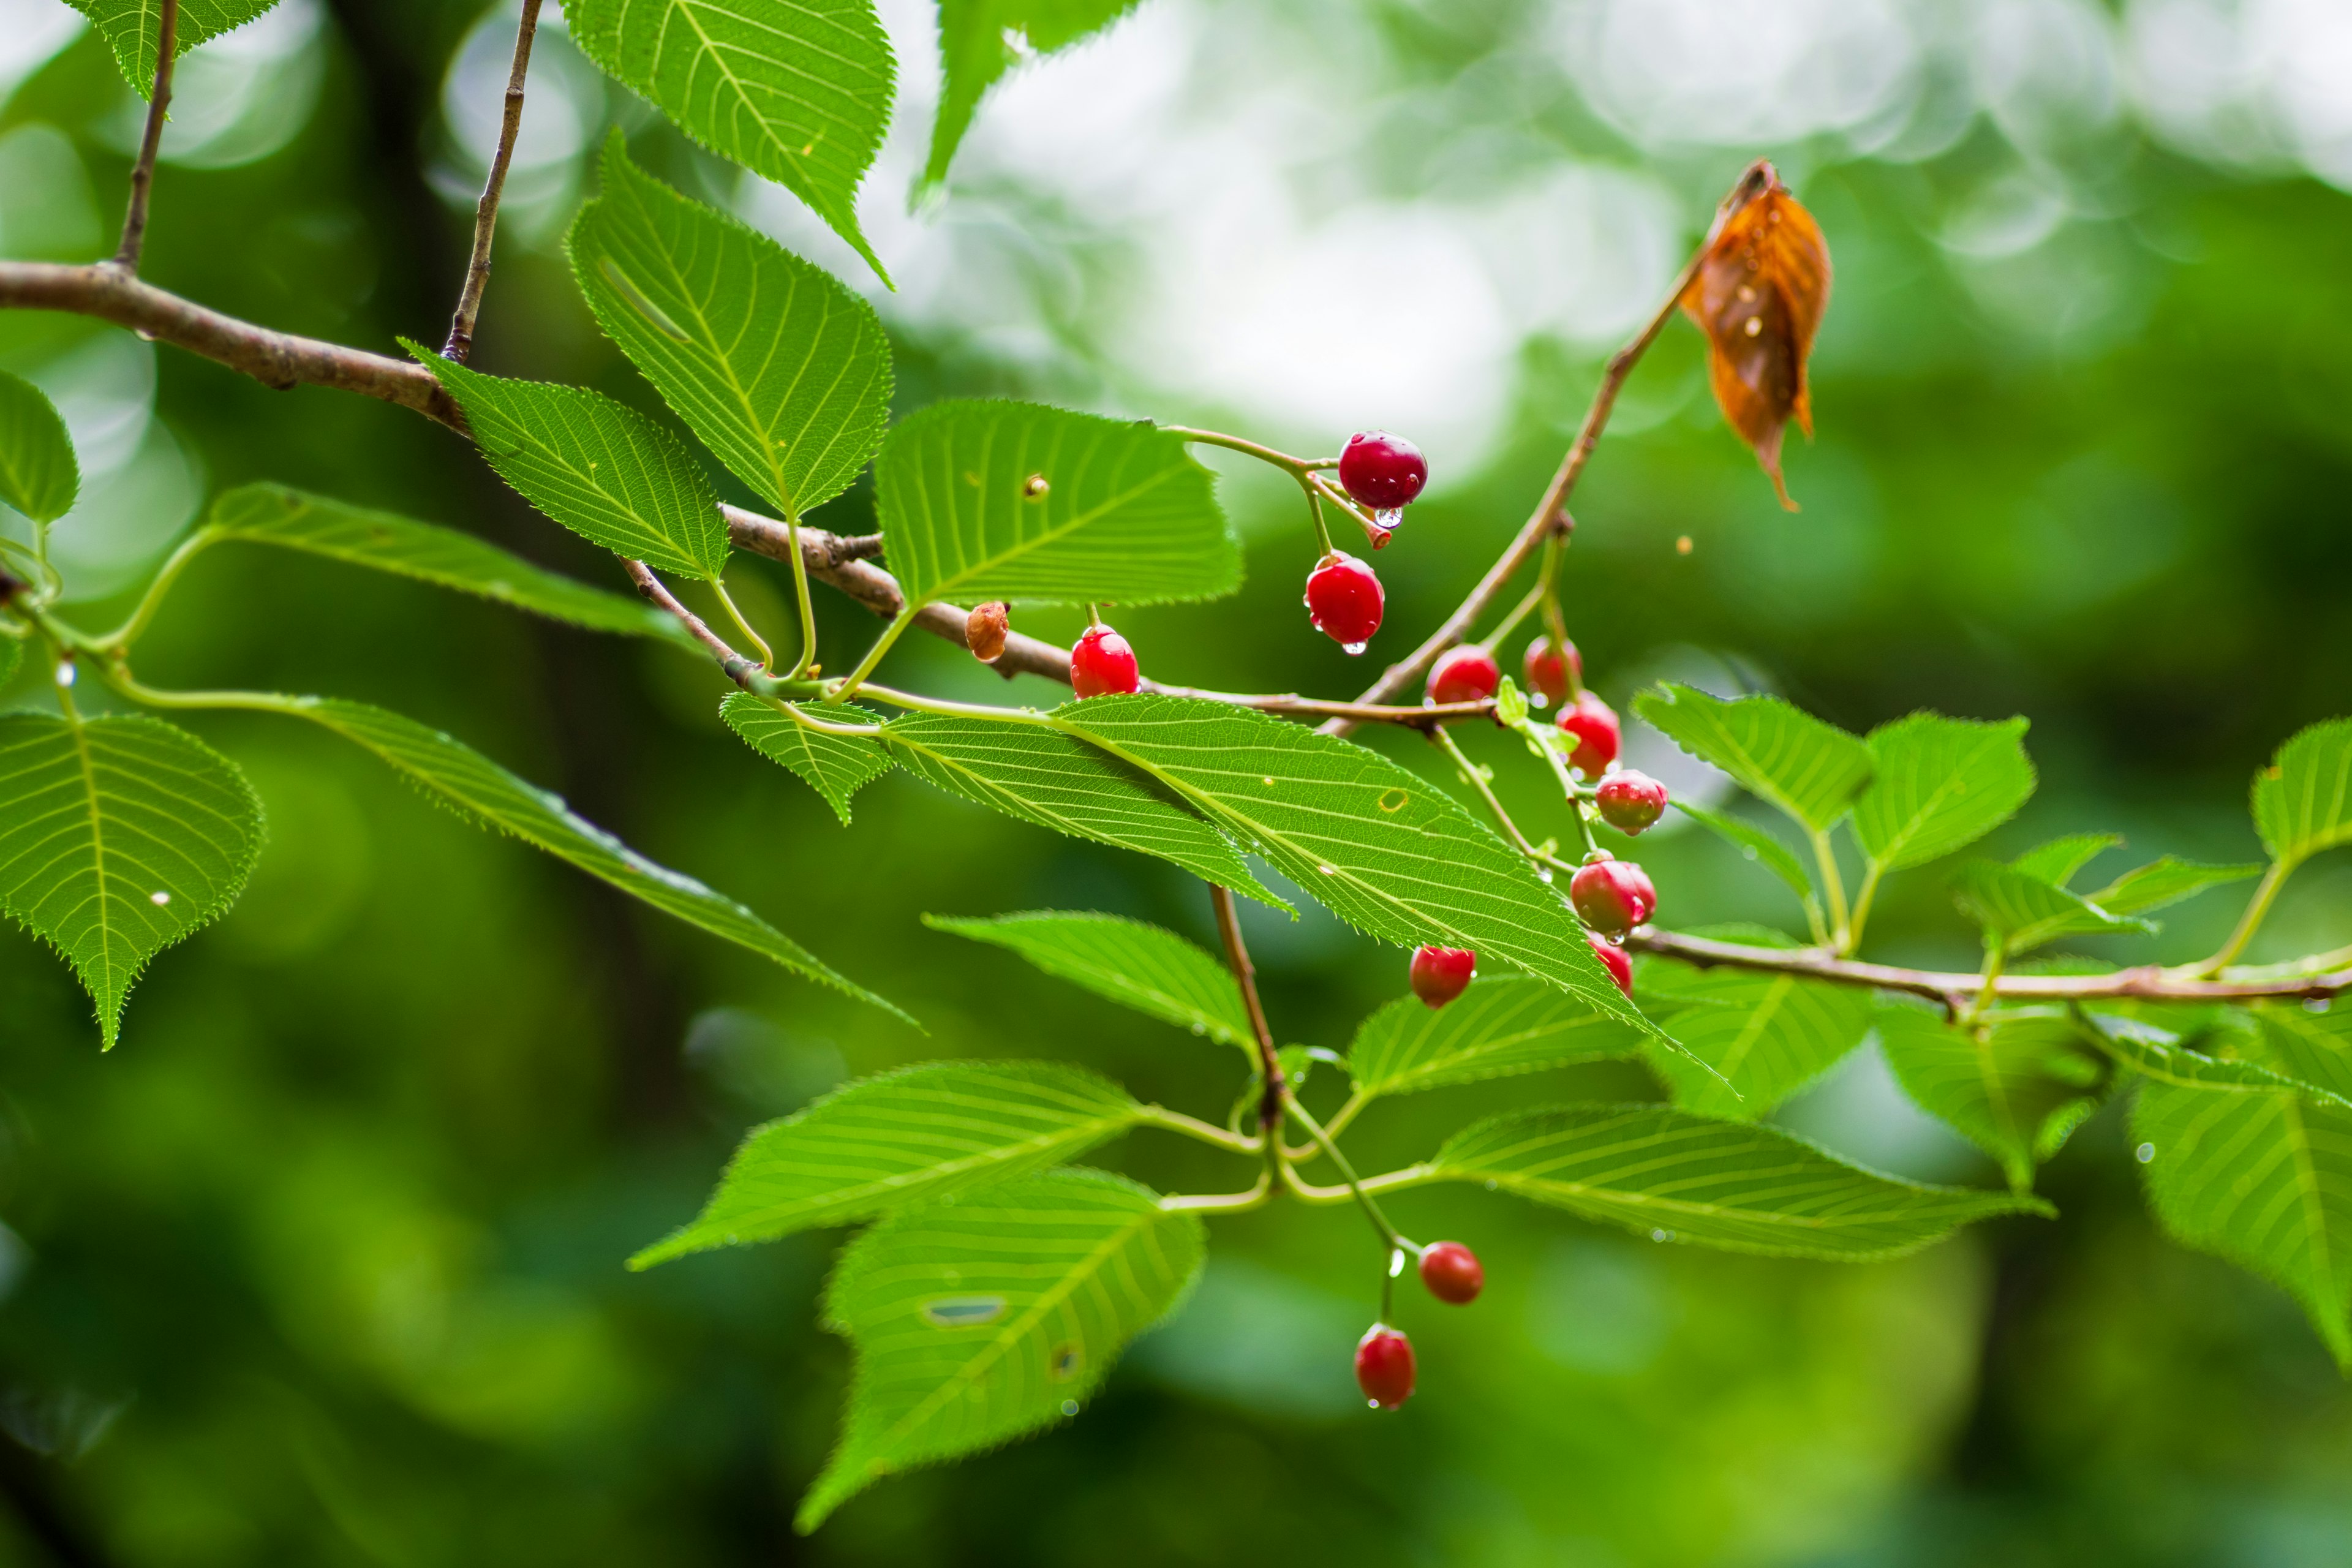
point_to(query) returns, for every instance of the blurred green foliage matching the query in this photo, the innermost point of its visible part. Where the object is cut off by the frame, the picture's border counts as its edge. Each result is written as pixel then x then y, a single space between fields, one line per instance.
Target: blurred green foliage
pixel 323 1266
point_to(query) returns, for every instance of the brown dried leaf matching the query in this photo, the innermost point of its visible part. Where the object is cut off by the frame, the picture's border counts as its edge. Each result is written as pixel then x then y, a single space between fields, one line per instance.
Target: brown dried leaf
pixel 1758 297
pixel 984 630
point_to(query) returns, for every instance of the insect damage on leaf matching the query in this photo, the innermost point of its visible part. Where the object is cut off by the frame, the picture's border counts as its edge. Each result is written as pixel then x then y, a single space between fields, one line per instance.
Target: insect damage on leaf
pixel 1758 296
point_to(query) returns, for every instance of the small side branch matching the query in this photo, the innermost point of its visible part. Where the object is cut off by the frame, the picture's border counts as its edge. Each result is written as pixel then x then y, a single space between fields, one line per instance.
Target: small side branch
pixel 142 173
pixel 743 672
pixel 486 211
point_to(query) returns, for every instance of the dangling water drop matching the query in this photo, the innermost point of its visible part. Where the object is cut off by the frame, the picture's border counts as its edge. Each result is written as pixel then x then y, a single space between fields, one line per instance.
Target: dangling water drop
pixel 1544 874
pixel 1388 518
pixel 1352 647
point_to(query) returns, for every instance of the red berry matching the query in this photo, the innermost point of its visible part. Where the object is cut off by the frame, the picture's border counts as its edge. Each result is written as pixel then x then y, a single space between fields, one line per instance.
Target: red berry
pixel 1345 599
pixel 1615 960
pixel 1384 1366
pixel 1594 724
pixel 1466 674
pixel 1442 973
pixel 1629 801
pixel 1552 671
pixel 1452 1273
pixel 1383 471
pixel 1613 897
pixel 1101 661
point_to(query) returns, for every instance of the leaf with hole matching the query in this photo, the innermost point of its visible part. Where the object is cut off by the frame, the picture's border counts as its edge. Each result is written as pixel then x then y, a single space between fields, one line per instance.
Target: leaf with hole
pixel 899 1139
pixel 783 373
pixel 2016 1087
pixel 119 837
pixel 799 93
pixel 2019 912
pixel 985 1318
pixel 601 469
pixel 835 767
pixel 1764 1035
pixel 133 30
pixel 1033 774
pixel 1016 500
pixel 1939 785
pixel 480 789
pixel 383 541
pixel 1384 849
pixel 1673 1177
pixel 977 46
pixel 1806 767
pixel 1504 1024
pixel 2303 800
pixel 1137 965
pixel 2262 1177
pixel 39 475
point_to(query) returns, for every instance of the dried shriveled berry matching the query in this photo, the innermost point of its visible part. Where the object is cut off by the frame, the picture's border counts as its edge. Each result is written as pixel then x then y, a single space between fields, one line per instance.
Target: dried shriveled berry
pixel 1442 973
pixel 1451 1271
pixel 1628 801
pixel 1594 723
pixel 984 630
pixel 1384 1366
pixel 1102 662
pixel 1613 897
pixel 1345 599
pixel 1465 674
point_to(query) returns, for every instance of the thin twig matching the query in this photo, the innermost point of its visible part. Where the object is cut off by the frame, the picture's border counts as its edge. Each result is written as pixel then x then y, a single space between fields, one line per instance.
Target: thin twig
pixel 1229 929
pixel 142 173
pixel 486 211
pixel 1552 512
pixel 2146 983
pixel 742 671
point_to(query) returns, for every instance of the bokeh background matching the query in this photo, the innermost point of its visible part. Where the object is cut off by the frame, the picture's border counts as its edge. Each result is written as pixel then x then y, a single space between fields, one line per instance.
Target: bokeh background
pixel 323 1265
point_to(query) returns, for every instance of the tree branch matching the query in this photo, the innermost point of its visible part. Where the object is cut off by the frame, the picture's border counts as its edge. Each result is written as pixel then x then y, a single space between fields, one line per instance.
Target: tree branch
pixel 1552 512
pixel 280 360
pixel 2149 982
pixel 142 173
pixel 486 211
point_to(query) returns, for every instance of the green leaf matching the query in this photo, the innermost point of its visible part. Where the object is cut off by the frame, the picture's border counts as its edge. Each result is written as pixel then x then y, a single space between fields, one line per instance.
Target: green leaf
pixel 479 788
pixel 11 650
pixel 133 29
pixel 1754 843
pixel 39 474
pixel 1678 1177
pixel 2021 912
pixel 2315 1049
pixel 835 767
pixel 2263 1178
pixel 1504 1024
pixel 2160 1055
pixel 1806 768
pixel 985 1318
pixel 603 470
pixel 2303 800
pixel 798 92
pixel 292 520
pixel 1037 775
pixel 1138 965
pixel 1939 785
pixel 1385 850
pixel 2163 882
pixel 118 836
pixel 1016 500
pixel 900 1138
pixel 1764 1035
pixel 2016 1087
pixel 780 371
pixel 2057 861
pixel 976 47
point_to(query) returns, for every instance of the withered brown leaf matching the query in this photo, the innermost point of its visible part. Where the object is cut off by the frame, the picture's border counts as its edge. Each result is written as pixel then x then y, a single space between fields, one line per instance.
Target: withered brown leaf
pixel 1758 296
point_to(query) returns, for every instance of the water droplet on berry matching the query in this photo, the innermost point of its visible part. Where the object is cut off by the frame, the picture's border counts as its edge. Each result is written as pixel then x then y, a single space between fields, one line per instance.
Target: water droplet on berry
pixel 1346 648
pixel 1388 518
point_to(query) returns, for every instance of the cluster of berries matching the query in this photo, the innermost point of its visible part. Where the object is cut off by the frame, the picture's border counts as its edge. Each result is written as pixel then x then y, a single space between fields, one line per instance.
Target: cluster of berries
pixel 1384 1364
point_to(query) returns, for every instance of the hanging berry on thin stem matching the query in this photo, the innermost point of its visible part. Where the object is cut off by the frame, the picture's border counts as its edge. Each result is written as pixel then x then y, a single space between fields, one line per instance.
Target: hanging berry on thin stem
pixel 1553 669
pixel 1345 600
pixel 1101 662
pixel 1615 960
pixel 1383 471
pixel 1451 1272
pixel 1594 723
pixel 1611 896
pixel 1384 1368
pixel 1441 973
pixel 1465 674
pixel 1629 801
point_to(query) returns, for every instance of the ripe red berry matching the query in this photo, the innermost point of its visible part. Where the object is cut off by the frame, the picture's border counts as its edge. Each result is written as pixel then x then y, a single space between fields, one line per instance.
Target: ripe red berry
pixel 1594 723
pixel 1465 674
pixel 1101 661
pixel 1383 471
pixel 1552 671
pixel 1345 599
pixel 1442 973
pixel 1629 801
pixel 1615 960
pixel 1384 1366
pixel 1452 1273
pixel 1613 897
